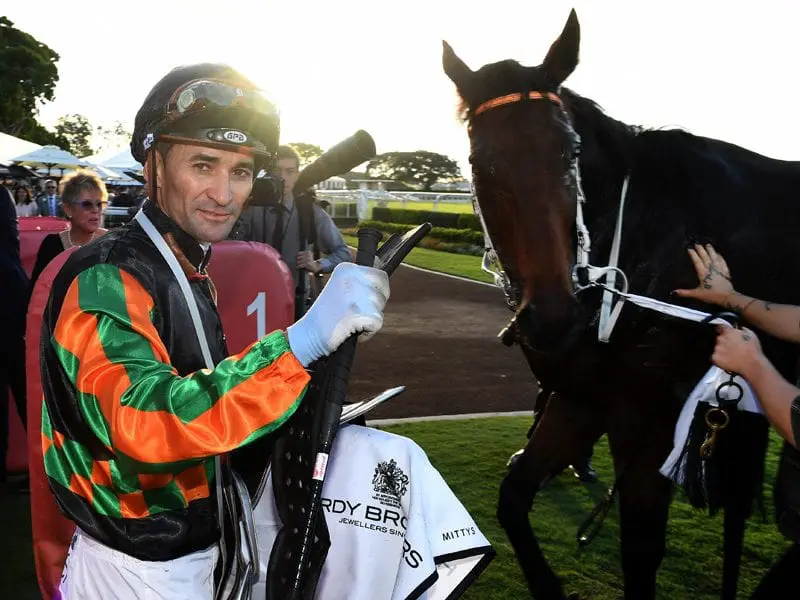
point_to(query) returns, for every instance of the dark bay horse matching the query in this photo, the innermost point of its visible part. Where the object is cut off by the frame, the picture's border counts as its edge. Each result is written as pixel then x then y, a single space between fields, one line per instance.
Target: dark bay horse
pixel 532 143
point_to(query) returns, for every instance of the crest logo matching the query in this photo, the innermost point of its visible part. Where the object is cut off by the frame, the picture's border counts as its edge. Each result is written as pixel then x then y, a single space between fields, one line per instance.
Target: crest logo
pixel 390 480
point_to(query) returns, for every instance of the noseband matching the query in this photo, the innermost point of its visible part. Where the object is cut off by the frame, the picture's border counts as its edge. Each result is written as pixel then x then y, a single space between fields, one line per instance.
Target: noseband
pixel 584 275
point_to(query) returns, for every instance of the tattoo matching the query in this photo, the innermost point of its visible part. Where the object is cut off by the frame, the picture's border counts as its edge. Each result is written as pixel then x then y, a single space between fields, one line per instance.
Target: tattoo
pixel 729 304
pixel 712 271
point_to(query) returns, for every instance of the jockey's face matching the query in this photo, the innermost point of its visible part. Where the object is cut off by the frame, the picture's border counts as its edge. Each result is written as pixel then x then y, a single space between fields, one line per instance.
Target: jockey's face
pixel 203 189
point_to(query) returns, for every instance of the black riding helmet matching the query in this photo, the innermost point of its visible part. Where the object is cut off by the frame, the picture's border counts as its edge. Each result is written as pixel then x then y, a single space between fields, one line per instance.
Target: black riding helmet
pixel 209 105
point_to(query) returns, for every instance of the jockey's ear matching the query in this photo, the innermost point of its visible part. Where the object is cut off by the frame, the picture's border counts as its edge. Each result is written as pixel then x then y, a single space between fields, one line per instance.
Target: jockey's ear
pixel 562 58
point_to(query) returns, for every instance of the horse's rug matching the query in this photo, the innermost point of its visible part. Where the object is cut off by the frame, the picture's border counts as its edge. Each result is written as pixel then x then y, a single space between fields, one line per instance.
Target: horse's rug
pixel 397 530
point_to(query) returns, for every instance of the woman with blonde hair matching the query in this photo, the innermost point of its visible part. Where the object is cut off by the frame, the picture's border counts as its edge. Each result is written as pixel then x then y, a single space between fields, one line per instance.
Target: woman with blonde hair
pixel 84 197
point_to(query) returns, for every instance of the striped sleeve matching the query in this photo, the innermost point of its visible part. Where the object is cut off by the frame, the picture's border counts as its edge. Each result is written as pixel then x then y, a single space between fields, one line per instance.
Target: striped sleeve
pixel 133 398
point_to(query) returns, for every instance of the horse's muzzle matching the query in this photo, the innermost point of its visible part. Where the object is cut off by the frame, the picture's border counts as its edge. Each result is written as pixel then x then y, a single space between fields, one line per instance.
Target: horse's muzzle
pixel 549 331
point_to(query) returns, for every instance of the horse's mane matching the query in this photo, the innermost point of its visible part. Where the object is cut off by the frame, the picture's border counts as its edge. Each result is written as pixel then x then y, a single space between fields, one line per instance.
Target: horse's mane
pixel 667 144
pixel 687 188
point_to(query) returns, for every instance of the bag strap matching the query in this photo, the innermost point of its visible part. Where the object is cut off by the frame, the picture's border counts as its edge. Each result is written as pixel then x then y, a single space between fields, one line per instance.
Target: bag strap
pixel 155 237
pixel 244 584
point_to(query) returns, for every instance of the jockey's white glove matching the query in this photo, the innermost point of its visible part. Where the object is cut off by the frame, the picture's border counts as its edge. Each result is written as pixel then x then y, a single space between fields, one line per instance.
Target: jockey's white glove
pixel 352 302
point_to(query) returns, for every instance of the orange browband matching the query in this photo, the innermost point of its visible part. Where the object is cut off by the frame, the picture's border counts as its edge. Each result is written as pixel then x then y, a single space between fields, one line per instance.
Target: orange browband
pixel 518 97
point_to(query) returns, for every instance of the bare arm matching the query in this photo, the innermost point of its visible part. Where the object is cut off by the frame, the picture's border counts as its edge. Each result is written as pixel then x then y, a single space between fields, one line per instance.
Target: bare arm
pixel 779 320
pixel 715 287
pixel 776 395
pixel 739 351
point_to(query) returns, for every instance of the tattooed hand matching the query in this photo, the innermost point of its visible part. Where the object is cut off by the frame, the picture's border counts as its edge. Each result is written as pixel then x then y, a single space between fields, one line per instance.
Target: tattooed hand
pixel 736 350
pixel 715 279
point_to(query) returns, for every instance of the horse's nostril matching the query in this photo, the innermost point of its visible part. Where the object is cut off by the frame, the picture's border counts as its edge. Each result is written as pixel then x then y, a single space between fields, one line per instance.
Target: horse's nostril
pixel 557 333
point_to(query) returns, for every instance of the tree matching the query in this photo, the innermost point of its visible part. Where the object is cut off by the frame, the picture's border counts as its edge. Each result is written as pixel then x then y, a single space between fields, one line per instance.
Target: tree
pixel 420 168
pixel 29 74
pixel 77 130
pixel 34 132
pixel 308 152
pixel 113 136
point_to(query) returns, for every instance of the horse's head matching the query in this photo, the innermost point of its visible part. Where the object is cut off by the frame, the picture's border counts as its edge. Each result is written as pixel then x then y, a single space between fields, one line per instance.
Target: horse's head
pixel 523 150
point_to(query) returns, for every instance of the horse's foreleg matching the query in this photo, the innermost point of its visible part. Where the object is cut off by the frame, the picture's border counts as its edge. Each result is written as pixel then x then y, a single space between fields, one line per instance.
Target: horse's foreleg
pixel 564 430
pixel 644 498
pixel 643 538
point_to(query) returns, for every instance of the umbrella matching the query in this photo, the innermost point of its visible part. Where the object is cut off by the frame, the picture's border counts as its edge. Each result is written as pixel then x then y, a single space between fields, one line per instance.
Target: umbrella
pixel 105 173
pixel 17 171
pixel 123 161
pixel 50 157
pixel 13 146
pixel 124 183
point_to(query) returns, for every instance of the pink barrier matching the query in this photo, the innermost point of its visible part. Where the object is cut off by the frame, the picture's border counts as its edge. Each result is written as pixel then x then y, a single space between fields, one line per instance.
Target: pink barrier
pixel 52 532
pixel 32 230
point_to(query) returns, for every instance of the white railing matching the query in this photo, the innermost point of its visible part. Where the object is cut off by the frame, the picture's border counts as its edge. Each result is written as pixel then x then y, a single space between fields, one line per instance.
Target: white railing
pixel 358 203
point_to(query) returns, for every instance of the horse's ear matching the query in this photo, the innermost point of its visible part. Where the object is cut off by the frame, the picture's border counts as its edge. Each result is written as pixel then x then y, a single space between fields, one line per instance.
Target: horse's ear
pixel 456 69
pixel 562 57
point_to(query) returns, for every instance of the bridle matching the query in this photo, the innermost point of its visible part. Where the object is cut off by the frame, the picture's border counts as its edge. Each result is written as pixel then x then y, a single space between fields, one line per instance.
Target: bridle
pixel 584 275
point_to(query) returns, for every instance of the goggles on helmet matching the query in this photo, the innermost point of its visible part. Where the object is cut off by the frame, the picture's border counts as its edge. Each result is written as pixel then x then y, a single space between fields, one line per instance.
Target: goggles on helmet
pixel 204 93
pixel 194 113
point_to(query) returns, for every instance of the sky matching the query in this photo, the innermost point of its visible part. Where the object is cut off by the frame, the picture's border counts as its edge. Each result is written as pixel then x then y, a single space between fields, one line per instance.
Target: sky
pixel 717 68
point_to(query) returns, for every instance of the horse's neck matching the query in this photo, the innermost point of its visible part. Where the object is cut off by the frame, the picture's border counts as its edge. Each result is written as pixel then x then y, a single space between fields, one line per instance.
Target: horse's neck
pixel 701 191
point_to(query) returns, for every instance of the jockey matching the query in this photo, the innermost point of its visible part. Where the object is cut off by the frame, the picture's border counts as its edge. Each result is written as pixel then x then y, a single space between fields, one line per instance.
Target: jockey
pixel 145 414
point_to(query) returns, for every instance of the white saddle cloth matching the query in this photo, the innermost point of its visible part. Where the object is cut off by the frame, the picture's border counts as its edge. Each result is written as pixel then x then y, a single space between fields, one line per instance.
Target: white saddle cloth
pixel 397 530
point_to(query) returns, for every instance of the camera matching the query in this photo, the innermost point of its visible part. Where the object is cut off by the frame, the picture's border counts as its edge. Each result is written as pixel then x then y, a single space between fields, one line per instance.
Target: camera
pixel 267 190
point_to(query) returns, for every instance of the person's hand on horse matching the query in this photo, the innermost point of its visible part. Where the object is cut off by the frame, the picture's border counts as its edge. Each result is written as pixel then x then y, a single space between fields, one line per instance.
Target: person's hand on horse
pixel 736 350
pixel 305 260
pixel 712 271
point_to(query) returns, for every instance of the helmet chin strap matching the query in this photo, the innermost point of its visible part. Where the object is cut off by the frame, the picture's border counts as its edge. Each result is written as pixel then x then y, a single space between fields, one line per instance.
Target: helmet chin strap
pixel 153 180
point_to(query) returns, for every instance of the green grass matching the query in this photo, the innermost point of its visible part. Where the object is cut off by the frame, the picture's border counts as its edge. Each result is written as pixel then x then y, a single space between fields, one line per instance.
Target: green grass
pixel 445 207
pixel 471 456
pixel 17 573
pixel 444 262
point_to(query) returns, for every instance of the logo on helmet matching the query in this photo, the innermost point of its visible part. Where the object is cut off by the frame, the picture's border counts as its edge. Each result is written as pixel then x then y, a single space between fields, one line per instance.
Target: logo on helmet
pixel 235 137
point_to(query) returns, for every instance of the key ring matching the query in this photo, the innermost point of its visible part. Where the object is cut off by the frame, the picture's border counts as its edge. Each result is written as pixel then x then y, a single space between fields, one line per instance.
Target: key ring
pixel 712 423
pixel 738 392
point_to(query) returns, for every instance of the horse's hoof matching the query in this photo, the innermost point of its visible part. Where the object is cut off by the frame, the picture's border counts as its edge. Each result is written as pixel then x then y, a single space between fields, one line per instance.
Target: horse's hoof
pixel 584 473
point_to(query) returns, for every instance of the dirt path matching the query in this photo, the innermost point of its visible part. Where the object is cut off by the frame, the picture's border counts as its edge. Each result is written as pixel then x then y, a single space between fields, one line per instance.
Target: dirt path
pixel 439 339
